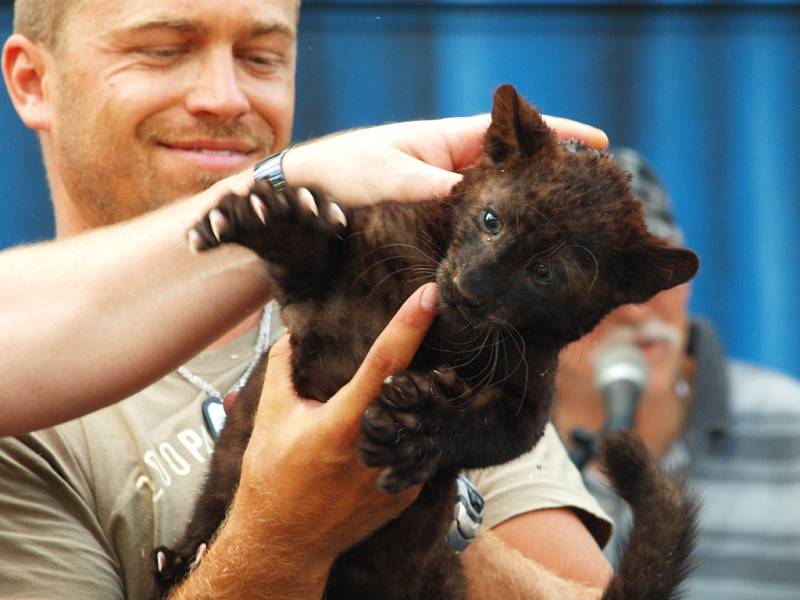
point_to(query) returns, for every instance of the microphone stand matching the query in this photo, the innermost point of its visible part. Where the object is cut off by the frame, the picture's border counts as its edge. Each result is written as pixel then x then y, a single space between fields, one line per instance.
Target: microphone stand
pixel 585 446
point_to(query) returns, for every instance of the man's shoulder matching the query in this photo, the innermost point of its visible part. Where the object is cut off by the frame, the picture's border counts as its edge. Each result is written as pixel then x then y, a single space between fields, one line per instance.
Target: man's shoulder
pixel 757 391
pixel 746 479
pixel 542 478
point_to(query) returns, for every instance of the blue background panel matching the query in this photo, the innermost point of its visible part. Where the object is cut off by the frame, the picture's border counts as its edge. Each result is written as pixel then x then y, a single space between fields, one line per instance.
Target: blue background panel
pixel 708 91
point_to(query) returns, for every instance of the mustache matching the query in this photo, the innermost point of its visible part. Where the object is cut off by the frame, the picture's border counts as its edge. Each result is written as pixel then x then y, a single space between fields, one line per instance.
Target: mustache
pixel 652 330
pixel 260 139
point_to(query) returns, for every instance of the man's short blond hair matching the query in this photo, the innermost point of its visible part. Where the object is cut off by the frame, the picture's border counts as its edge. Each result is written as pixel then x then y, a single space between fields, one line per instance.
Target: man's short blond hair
pixel 41 20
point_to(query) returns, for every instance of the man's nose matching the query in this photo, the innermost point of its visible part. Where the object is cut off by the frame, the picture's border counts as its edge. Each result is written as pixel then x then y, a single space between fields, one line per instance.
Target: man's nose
pixel 632 313
pixel 217 91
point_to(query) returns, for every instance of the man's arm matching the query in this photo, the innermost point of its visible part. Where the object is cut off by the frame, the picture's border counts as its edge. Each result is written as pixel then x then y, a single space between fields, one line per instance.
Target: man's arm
pixel 403 161
pixel 494 569
pixel 84 315
pixel 557 540
pixel 100 302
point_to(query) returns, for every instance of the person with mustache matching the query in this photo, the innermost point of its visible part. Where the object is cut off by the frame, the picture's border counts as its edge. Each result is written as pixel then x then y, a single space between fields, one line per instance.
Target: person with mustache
pixel 734 428
pixel 140 106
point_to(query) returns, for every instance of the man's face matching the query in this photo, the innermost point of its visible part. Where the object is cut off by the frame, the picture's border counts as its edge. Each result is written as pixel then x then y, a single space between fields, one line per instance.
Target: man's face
pixel 658 327
pixel 157 99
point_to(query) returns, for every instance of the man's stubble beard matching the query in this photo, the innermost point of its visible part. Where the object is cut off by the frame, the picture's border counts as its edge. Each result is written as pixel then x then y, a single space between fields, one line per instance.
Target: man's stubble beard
pixel 109 182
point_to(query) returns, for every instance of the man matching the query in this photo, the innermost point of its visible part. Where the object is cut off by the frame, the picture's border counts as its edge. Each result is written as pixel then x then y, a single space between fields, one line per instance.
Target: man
pixel 733 426
pixel 137 104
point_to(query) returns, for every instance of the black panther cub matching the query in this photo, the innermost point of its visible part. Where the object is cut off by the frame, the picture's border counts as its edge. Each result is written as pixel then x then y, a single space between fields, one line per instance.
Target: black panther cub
pixel 530 251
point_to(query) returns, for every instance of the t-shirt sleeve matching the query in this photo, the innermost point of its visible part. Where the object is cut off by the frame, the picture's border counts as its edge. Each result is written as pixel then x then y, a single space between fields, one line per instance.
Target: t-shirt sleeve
pixel 543 478
pixel 51 542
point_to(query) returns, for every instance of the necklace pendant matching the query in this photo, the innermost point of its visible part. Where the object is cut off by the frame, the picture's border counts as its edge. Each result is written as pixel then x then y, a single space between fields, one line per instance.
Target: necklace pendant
pixel 214 415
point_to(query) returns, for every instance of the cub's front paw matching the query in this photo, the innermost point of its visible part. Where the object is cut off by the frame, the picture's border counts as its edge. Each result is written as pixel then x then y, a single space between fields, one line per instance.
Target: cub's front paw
pixel 405 428
pixel 276 225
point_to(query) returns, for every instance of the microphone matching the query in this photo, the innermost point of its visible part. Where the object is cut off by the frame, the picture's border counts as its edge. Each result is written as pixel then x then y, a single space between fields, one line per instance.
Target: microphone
pixel 621 374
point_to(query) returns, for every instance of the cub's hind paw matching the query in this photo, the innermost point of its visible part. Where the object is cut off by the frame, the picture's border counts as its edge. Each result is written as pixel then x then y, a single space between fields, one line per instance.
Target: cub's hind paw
pixel 169 568
pixel 267 221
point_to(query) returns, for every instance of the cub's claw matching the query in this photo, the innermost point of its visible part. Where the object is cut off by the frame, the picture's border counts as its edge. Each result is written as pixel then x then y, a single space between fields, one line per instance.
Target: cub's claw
pixel 218 222
pixel 259 208
pixel 276 225
pixel 169 567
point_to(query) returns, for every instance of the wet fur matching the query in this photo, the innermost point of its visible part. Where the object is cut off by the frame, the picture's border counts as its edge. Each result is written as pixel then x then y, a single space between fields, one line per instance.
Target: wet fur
pixel 571 247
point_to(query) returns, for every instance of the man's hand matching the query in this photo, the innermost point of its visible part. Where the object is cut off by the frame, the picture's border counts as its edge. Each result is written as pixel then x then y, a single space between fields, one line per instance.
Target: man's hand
pixel 415 160
pixel 304 495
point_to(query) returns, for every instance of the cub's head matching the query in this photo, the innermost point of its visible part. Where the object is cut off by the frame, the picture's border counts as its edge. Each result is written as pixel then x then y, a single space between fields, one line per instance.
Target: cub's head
pixel 549 237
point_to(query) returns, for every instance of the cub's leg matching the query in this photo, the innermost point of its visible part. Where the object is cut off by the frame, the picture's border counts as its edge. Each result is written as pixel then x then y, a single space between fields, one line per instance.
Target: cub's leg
pixel 298 233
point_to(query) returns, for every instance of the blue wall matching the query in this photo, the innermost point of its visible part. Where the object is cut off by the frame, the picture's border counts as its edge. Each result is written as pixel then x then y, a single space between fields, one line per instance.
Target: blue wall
pixel 709 92
pixel 25 213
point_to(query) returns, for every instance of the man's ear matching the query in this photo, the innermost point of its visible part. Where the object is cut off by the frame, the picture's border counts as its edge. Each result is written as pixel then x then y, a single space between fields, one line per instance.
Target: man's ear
pixel 24 71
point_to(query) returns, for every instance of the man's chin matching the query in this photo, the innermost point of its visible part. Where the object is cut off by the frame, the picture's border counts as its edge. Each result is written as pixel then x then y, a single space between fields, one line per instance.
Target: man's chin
pixel 200 182
pixel 188 185
pixel 155 197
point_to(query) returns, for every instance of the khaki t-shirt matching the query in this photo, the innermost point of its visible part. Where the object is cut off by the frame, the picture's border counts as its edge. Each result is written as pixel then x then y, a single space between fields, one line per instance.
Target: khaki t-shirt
pixel 83 504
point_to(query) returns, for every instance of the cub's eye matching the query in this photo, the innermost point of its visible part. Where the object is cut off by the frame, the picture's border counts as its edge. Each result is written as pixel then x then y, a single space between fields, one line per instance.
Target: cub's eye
pixel 491 222
pixel 541 272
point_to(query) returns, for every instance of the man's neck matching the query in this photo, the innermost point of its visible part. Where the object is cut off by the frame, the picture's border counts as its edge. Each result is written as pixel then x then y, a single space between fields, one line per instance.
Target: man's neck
pixel 67 217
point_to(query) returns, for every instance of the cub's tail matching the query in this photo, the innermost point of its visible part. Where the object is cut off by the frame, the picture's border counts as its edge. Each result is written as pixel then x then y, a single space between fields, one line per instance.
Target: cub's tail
pixel 657 557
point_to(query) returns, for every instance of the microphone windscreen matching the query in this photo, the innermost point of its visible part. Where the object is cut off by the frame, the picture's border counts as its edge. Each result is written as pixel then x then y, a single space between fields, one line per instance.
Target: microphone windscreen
pixel 617 362
pixel 621 374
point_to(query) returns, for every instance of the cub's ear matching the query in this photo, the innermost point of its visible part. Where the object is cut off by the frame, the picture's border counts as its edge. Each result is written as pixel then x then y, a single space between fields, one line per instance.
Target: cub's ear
pixel 651 267
pixel 517 128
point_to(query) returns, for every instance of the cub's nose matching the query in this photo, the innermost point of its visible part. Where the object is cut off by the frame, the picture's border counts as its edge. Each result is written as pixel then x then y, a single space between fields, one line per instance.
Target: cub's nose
pixel 469 294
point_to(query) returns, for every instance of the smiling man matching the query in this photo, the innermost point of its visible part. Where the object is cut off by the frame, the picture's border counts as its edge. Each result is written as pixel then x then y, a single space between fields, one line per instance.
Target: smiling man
pixel 145 102
pixel 138 104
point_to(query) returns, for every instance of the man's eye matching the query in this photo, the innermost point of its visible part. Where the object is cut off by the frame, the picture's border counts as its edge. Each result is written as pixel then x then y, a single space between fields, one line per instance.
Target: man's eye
pixel 491 222
pixel 263 61
pixel 162 52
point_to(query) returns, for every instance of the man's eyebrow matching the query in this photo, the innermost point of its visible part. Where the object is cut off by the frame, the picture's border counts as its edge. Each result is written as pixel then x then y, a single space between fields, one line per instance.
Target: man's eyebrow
pixel 190 26
pixel 183 25
pixel 272 28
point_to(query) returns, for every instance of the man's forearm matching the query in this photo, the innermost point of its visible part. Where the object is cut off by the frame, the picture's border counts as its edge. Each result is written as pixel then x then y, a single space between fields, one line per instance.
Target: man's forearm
pixel 495 570
pixel 235 568
pixel 241 566
pixel 128 302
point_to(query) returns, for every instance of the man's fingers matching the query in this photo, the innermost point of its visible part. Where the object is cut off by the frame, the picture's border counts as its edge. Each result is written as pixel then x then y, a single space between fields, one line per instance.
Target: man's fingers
pixel 241 183
pixel 278 380
pixel 424 182
pixel 392 352
pixel 567 129
pixel 464 138
pixel 465 135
